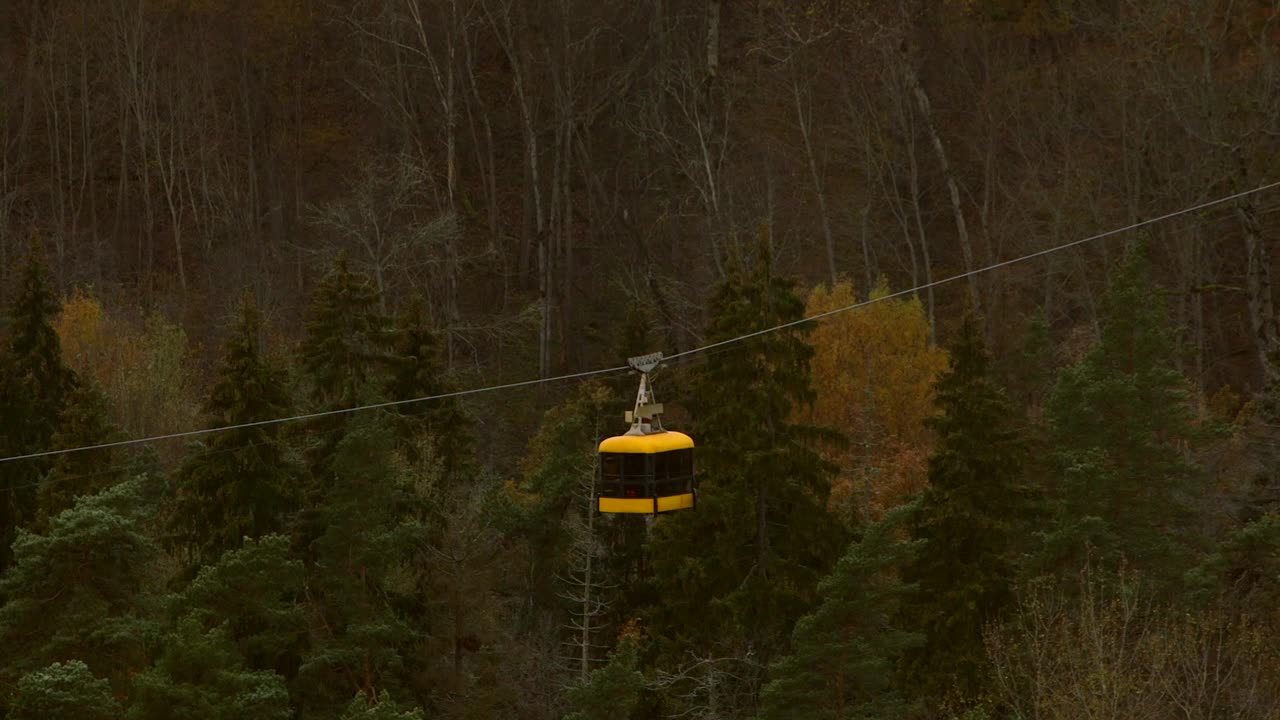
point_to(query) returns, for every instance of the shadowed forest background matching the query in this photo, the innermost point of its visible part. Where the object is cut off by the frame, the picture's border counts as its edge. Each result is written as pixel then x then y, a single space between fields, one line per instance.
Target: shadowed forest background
pixel 1045 491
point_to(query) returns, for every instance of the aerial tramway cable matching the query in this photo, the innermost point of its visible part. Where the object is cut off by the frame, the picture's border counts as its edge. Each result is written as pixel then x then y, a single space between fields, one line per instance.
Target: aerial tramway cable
pixel 675 356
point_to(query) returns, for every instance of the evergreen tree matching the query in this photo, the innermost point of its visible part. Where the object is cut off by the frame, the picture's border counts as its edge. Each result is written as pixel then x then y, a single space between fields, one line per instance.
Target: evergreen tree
pixel 200 676
pixel 342 358
pixel 240 483
pixel 34 386
pixel 1120 421
pixel 415 371
pixel 80 591
pixel 64 691
pixel 85 422
pixel 968 521
pixel 344 340
pixel 252 593
pixel 358 582
pixel 362 708
pixel 737 572
pixel 844 652
pixel 610 692
pixel 1031 368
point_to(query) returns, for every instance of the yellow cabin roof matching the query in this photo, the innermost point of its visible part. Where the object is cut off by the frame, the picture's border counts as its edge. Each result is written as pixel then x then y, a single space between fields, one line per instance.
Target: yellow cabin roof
pixel 647 444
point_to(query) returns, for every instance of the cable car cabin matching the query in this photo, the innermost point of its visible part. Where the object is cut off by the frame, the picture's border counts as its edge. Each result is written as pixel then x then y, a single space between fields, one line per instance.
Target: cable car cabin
pixel 646 473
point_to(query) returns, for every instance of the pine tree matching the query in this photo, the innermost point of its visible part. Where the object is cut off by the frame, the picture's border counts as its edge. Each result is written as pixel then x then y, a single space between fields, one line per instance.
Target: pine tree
pixel 80 591
pixel 1120 421
pixel 240 483
pixel 844 653
pixel 384 708
pixel 968 521
pixel 252 592
pixel 64 691
pixel 736 572
pixel 34 386
pixel 200 676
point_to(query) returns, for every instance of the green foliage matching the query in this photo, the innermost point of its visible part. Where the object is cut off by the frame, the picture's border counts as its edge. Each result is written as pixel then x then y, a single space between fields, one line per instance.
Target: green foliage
pixel 1248 562
pixel 368 531
pixel 200 676
pixel 85 421
pixel 747 562
pixel 969 519
pixel 34 386
pixel 1031 368
pixel 844 652
pixel 416 371
pixel 610 692
pixel 81 590
pixel 251 593
pixel 64 691
pixel 362 708
pixel 240 483
pixel 343 337
pixel 1120 421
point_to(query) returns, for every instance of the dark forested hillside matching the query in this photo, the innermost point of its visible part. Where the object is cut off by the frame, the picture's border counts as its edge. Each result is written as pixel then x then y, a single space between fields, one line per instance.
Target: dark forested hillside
pixel 1047 489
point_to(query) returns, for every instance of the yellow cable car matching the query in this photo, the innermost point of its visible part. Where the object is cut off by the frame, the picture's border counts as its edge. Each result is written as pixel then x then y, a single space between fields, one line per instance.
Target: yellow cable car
pixel 648 470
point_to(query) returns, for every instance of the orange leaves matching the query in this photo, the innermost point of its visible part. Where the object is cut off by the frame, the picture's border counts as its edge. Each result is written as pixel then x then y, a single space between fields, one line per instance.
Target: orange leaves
pixel 873 370
pixel 91 344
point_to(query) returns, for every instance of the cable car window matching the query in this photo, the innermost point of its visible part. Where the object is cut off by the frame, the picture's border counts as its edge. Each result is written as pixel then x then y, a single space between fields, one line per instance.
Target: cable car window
pixel 610 465
pixel 662 465
pixel 634 466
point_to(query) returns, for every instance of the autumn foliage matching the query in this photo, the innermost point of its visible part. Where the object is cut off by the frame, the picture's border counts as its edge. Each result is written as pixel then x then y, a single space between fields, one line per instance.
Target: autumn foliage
pixel 874 367
pixel 145 371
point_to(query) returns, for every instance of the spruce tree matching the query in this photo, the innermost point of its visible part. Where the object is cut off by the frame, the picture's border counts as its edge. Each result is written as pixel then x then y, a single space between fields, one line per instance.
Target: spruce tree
pixel 736 572
pixel 1120 421
pixel 85 422
pixel 342 362
pixel 415 371
pixel 240 482
pixel 344 339
pixel 358 584
pixel 34 386
pixel 967 522
pixel 845 652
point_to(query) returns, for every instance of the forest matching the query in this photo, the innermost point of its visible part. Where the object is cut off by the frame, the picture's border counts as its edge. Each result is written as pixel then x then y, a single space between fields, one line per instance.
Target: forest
pixel 1026 465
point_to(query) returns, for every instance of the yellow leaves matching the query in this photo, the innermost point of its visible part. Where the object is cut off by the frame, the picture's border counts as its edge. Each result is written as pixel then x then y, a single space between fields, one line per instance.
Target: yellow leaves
pixel 146 373
pixel 874 370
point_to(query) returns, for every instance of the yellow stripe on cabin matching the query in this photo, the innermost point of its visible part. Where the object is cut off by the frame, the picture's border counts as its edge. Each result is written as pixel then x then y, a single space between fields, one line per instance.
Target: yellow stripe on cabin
pixel 644 506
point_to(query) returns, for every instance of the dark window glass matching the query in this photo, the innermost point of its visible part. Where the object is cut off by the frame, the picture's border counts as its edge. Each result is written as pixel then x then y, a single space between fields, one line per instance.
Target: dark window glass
pixel 634 466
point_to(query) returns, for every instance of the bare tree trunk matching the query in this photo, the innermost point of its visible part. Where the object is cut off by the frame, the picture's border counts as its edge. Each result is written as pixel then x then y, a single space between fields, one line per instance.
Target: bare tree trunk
pixel 957 210
pixel 805 121
pixel 713 37
pixel 1262 317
